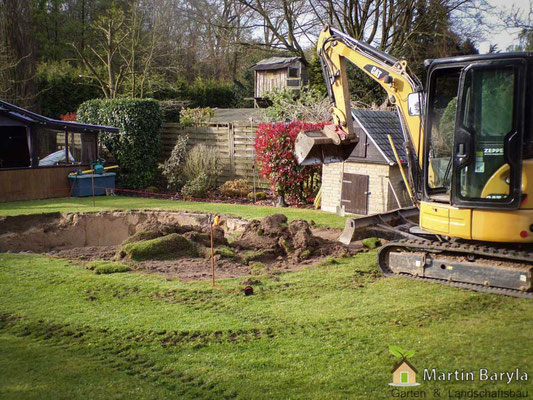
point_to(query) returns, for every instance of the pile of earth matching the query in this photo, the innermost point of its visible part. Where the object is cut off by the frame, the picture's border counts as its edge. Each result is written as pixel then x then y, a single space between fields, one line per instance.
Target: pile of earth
pixel 175 245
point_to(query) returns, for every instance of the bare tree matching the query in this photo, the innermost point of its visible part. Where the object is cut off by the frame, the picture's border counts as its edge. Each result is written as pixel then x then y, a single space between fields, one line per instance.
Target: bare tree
pixel 104 61
pixel 393 25
pixel 287 24
pixel 522 20
pixel 17 52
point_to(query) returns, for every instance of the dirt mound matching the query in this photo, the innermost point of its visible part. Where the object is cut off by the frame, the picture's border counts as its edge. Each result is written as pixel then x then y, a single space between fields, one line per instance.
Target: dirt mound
pixel 274 225
pixel 273 233
pixel 176 244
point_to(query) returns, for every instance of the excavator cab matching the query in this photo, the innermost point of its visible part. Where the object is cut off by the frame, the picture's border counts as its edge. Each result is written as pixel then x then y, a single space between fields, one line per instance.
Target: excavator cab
pixel 475 131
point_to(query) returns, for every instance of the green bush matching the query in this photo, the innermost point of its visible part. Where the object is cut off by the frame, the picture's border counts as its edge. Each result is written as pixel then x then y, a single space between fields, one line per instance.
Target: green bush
pixel 201 159
pixel 236 188
pixel 258 195
pixel 172 168
pixel 171 110
pixel 308 105
pixel 137 147
pixel 61 89
pixel 197 187
pixel 196 116
pixel 211 93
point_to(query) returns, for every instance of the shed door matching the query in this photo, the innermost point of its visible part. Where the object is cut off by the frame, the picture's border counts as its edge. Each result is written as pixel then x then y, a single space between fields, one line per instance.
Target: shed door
pixel 354 196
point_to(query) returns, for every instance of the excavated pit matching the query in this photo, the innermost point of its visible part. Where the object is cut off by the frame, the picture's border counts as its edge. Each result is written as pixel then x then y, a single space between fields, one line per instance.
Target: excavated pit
pixel 173 243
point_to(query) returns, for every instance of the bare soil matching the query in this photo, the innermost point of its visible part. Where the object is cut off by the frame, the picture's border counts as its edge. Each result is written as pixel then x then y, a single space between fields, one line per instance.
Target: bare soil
pixel 256 247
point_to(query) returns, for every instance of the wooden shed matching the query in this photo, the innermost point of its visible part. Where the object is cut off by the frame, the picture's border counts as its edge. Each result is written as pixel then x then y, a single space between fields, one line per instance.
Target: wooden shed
pixel 278 73
pixel 37 153
pixel 369 181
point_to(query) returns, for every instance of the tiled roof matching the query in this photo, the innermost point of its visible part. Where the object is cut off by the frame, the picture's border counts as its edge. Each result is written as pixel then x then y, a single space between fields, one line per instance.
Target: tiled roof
pixel 274 63
pixel 378 125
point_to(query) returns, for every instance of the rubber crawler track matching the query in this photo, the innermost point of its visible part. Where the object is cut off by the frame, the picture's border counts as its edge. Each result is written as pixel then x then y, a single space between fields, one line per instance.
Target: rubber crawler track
pixel 454 248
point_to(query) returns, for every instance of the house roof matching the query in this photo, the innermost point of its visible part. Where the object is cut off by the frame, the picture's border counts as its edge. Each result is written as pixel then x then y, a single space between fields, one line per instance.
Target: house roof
pixel 225 115
pixel 400 363
pixel 29 117
pixel 274 63
pixel 377 126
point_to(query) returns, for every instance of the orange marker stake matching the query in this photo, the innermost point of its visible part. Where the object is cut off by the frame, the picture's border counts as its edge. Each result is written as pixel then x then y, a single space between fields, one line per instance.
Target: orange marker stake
pixel 214 223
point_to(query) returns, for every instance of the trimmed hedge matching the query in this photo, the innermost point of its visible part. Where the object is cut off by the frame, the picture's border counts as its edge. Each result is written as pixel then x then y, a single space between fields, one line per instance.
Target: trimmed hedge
pixel 137 147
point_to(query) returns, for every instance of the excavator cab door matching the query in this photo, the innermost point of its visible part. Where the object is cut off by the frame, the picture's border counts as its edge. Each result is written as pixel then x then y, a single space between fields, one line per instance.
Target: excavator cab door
pixel 487 149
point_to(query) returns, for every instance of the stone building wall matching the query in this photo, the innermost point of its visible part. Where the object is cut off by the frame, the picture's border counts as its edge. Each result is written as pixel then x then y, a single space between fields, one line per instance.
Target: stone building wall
pixel 381 197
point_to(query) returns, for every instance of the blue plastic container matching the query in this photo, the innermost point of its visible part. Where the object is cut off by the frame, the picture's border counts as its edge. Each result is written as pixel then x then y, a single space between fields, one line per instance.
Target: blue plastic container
pixel 81 185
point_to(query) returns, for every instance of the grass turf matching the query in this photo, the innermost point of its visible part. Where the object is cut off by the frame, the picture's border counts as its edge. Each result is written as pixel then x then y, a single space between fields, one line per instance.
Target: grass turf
pixel 315 334
pixel 80 204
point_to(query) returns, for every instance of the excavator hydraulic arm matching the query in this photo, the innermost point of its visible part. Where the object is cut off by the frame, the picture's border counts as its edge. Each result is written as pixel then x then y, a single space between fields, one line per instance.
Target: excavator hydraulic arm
pixel 336 142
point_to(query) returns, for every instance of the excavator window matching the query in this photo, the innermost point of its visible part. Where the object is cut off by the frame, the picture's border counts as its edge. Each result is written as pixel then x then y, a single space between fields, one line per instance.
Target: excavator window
pixel 442 112
pixel 488 117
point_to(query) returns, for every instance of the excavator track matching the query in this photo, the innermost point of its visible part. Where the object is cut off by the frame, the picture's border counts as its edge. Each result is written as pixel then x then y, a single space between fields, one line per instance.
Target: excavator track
pixel 498 270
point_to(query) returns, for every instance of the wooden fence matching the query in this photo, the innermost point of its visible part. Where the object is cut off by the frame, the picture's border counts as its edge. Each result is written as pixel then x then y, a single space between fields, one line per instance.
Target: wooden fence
pixel 234 142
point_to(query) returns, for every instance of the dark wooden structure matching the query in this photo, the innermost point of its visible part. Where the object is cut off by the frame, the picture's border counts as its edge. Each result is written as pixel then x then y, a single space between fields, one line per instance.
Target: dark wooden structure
pixel 278 73
pixel 37 153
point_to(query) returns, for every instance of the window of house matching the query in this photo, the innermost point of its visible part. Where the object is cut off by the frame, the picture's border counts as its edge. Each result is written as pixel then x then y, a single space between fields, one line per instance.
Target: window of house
pixel 51 148
pixel 293 72
pixel 14 147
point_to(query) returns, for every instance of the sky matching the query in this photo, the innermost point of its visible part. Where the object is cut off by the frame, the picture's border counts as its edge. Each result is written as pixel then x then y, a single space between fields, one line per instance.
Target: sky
pixel 502 37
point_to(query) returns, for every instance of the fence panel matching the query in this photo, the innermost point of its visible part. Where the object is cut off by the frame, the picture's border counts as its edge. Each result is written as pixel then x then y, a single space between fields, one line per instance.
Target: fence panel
pixel 234 142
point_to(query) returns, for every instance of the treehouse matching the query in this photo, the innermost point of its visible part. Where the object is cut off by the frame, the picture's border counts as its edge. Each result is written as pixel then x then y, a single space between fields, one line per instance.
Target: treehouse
pixel 278 73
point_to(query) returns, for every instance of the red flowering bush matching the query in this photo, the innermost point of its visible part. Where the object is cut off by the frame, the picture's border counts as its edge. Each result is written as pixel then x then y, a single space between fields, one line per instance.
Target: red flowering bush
pixel 274 146
pixel 68 116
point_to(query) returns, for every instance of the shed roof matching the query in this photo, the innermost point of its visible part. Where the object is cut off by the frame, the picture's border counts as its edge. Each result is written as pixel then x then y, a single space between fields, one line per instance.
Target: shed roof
pixel 225 115
pixel 377 126
pixel 274 63
pixel 29 117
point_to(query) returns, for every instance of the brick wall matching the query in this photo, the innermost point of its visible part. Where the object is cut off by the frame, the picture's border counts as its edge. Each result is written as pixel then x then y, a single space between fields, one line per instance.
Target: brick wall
pixel 381 197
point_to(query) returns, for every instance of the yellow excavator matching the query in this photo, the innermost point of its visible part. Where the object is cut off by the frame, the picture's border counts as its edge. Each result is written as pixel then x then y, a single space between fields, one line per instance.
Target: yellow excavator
pixel 469 140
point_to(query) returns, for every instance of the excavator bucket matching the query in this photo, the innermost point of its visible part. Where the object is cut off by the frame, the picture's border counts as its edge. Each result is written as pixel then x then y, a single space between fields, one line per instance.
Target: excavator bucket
pixel 321 147
pixel 396 224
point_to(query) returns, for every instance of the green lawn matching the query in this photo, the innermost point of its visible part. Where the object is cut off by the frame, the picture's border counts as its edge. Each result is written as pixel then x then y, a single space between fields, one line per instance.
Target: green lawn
pixel 77 204
pixel 315 334
pixel 321 333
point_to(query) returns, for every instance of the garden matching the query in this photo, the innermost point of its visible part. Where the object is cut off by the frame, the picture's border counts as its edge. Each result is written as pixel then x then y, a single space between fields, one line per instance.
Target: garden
pixel 72 326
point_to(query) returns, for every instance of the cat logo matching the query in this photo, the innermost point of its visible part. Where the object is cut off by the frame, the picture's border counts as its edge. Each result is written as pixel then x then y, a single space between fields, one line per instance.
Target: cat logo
pixel 376 71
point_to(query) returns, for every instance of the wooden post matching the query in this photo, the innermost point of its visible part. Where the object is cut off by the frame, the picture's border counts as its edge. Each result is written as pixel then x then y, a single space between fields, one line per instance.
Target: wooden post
pixel 66 147
pixel 212 256
pixel 92 182
pixel 231 149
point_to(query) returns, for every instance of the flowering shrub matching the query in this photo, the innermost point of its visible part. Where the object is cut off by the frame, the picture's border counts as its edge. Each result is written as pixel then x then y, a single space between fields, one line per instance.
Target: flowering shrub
pixel 68 116
pixel 274 145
